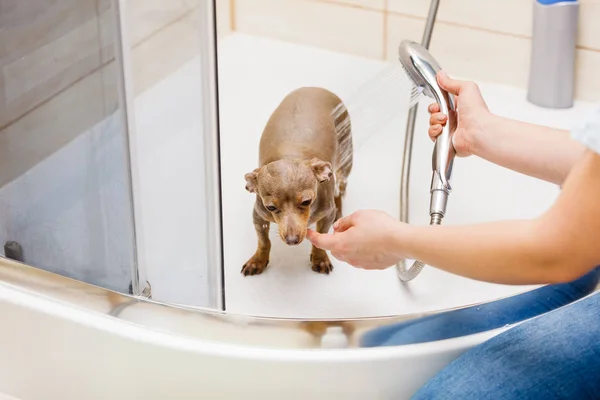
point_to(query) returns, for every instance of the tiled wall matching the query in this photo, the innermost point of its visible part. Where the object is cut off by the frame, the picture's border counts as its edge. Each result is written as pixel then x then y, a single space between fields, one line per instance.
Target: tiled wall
pixel 58 77
pixel 476 39
pixel 58 55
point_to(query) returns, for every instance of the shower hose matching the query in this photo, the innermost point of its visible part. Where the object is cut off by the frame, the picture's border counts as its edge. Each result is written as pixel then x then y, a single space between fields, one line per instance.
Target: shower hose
pixel 408 274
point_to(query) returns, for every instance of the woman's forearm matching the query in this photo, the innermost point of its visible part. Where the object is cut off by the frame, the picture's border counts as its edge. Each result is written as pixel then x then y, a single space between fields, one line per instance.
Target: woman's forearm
pixel 502 252
pixel 538 151
pixel 559 246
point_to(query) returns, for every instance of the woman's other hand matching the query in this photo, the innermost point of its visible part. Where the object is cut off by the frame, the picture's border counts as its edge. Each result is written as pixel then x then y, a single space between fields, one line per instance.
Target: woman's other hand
pixel 367 239
pixel 473 115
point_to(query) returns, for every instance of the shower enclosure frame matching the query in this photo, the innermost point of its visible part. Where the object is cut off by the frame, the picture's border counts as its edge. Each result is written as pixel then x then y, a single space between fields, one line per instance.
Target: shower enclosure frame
pixel 139 283
pixel 140 287
pixel 212 153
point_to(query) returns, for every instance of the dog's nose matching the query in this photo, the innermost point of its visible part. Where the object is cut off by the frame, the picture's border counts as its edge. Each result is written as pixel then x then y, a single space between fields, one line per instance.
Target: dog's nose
pixel 292 239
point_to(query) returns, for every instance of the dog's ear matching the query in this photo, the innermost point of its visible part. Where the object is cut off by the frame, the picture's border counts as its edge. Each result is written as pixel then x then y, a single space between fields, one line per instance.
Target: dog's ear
pixel 322 169
pixel 252 180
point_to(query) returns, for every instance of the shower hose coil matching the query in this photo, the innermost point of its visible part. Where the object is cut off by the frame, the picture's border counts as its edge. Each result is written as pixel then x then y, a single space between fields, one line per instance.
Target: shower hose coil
pixel 411 273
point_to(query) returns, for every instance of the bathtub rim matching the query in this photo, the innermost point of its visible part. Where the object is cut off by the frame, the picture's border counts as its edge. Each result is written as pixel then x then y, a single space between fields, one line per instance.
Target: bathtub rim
pixel 219 328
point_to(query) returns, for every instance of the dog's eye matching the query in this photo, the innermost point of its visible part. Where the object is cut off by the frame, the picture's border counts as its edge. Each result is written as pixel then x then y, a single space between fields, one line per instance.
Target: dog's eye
pixel 272 208
pixel 305 203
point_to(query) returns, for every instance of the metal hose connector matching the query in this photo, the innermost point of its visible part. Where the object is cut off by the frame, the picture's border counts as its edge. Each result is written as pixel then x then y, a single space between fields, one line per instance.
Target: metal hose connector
pixel 411 273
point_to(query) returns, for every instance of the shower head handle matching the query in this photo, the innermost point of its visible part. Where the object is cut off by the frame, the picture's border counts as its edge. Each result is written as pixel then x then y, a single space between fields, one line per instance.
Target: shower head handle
pixel 422 69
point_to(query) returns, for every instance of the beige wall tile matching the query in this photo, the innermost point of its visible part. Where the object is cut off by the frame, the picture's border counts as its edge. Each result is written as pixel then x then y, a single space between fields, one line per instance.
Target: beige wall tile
pixel 372 4
pixel 176 44
pixel 466 52
pixel 507 62
pixel 223 9
pixel 147 16
pixel 70 85
pixel 50 67
pixel 326 25
pixel 29 25
pixel 56 122
pixel 402 28
pixel 587 86
pixel 509 16
pixel 589 24
pixel 416 8
pixel 65 41
pixel 45 47
pixel 52 84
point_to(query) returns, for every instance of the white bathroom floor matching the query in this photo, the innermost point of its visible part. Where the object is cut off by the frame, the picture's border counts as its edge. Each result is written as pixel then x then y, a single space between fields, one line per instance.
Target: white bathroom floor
pixel 254 76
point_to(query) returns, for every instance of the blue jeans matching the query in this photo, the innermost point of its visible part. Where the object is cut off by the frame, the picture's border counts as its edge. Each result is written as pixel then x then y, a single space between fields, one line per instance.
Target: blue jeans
pixel 486 317
pixel 553 356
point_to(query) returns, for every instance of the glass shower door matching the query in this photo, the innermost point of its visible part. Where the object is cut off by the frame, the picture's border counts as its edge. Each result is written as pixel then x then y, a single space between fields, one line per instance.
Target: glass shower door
pixel 65 196
pixel 169 66
pixel 109 157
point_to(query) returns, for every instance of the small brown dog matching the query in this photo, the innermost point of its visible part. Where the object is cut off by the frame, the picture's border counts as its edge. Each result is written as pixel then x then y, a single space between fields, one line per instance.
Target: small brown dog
pixel 303 146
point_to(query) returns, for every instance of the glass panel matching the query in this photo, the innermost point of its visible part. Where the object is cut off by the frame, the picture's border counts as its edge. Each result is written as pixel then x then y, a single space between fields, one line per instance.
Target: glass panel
pixel 65 200
pixel 171 47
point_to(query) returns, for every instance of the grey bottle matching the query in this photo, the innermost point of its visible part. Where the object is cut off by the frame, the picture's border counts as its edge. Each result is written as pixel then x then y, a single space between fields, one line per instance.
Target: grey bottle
pixel 553 51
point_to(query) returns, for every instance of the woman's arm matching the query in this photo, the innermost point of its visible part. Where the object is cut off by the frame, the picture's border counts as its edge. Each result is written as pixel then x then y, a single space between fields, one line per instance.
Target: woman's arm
pixel 538 151
pixel 559 246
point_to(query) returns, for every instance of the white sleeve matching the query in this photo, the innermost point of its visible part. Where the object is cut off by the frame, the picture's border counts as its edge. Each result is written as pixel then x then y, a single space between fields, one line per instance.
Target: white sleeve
pixel 588 131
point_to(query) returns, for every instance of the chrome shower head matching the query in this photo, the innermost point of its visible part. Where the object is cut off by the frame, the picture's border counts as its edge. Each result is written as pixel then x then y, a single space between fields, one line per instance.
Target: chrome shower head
pixel 422 69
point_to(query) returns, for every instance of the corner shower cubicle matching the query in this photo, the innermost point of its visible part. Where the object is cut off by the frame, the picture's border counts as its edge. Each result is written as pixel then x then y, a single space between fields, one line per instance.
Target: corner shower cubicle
pixel 126 130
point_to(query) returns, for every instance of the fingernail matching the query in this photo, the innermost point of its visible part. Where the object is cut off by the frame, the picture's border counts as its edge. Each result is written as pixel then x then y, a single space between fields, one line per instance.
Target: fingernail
pixel 336 225
pixel 441 117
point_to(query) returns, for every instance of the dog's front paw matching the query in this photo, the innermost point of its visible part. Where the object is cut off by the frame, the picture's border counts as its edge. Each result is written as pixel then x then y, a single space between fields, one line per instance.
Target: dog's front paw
pixel 320 262
pixel 256 265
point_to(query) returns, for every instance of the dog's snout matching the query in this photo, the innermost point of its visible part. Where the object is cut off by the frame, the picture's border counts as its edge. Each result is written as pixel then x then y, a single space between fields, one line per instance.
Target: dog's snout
pixel 292 239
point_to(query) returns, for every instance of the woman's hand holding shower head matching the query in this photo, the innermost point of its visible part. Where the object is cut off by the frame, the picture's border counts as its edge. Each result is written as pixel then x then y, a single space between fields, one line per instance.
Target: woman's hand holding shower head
pixel 473 115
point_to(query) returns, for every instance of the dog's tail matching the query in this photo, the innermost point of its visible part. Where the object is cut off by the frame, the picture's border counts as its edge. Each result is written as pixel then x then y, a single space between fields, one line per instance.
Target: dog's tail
pixel 344 155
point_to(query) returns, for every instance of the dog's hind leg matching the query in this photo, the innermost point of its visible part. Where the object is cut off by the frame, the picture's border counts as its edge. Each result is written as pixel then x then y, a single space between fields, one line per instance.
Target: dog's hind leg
pixel 340 191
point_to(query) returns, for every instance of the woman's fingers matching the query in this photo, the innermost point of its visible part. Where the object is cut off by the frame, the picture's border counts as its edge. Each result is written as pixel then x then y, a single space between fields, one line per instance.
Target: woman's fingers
pixel 437 118
pixel 344 223
pixel 321 240
pixel 436 121
pixel 433 108
pixel 434 131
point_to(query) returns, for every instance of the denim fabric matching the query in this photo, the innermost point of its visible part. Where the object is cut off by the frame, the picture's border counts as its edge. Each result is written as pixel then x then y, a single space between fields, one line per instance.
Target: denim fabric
pixel 485 317
pixel 553 356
